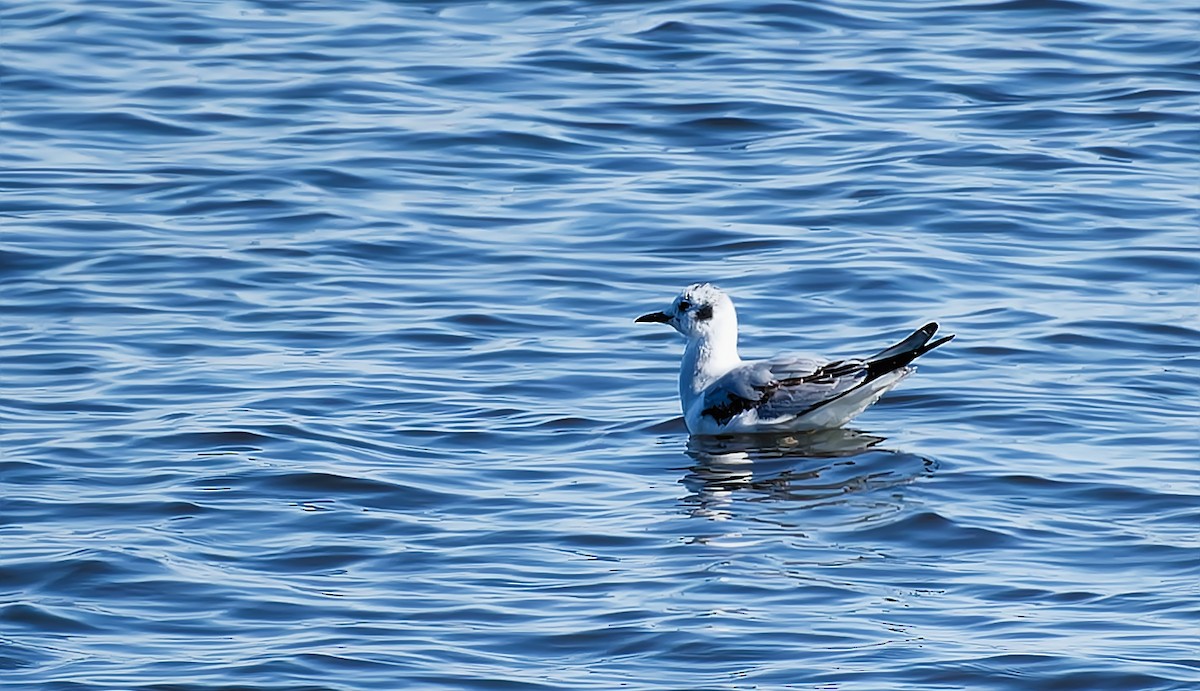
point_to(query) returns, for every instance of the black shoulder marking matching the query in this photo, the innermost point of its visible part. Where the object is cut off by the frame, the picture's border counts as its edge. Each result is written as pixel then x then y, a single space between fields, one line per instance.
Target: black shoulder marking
pixel 735 405
pixel 704 312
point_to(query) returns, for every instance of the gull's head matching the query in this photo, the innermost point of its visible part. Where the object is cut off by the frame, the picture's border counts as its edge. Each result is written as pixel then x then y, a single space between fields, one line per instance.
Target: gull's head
pixel 701 309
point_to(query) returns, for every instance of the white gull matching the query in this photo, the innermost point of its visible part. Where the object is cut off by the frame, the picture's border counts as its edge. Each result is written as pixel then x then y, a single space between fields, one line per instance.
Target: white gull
pixel 722 394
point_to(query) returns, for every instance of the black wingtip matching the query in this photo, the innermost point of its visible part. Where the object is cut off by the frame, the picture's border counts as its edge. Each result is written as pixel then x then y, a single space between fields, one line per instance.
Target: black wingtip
pixel 904 352
pixel 930 346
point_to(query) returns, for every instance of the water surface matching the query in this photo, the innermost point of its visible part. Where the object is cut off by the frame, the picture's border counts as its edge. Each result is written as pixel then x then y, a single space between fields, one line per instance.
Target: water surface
pixel 319 368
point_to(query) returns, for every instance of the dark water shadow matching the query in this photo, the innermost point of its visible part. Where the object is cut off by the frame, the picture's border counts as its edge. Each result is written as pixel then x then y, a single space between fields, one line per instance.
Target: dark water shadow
pixel 815 469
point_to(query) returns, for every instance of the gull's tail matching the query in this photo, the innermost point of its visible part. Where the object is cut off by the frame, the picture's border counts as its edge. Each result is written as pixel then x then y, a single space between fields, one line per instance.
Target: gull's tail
pixel 904 352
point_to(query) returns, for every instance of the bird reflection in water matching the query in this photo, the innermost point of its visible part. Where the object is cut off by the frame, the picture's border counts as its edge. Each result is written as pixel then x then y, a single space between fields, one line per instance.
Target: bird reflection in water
pixel 815 468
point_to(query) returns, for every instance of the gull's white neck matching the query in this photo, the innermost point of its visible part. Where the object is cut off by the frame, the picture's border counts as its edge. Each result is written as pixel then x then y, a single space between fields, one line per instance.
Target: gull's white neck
pixel 709 355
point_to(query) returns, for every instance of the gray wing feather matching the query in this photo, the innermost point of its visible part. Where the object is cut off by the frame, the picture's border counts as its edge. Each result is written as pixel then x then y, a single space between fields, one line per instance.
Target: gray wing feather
pixel 780 387
pixel 797 393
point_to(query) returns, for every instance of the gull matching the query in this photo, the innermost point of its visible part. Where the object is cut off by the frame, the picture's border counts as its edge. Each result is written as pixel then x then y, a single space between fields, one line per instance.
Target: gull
pixel 722 394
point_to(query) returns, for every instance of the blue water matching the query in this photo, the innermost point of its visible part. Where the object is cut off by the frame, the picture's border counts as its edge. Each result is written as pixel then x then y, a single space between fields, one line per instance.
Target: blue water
pixel 318 370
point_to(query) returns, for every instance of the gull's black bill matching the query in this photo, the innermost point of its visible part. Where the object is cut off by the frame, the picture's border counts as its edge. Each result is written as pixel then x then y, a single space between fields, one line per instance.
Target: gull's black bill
pixel 657 317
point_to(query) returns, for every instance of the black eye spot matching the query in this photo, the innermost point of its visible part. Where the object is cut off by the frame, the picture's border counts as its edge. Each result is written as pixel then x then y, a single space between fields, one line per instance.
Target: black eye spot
pixel 704 312
pixel 684 305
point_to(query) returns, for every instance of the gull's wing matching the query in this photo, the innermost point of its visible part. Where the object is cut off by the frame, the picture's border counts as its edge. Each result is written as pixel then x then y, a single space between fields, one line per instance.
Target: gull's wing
pixel 780 387
pixel 784 387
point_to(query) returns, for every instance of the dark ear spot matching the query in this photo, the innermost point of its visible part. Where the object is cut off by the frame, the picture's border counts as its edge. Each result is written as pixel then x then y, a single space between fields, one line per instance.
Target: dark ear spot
pixel 704 313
